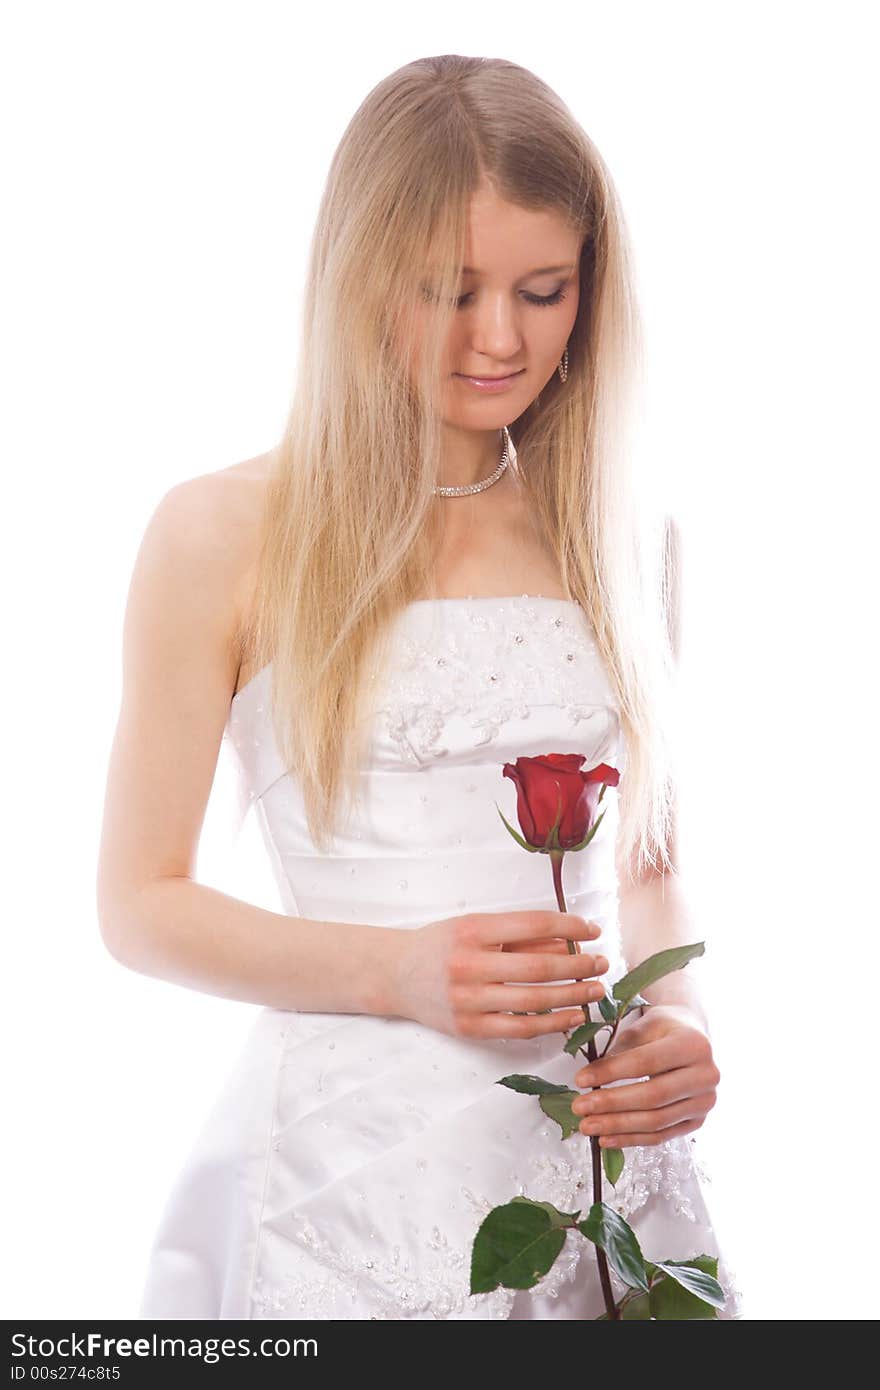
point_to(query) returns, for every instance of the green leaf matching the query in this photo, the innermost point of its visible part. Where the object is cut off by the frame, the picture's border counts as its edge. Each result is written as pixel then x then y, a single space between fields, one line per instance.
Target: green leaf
pixel 533 1085
pixel 515 1246
pixel 608 1008
pixel 612 1161
pixel 708 1263
pixel 557 1105
pixel 637 1309
pixel 558 1218
pixel 605 1227
pixel 582 1035
pixel 696 1279
pixel 654 968
pixel 671 1303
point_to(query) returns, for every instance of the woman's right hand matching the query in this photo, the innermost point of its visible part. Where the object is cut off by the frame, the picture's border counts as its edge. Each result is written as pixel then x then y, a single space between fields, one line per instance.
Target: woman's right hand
pixel 464 975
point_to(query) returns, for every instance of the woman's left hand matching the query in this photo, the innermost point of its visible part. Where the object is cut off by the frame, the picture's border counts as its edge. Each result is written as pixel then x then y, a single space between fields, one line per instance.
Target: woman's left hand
pixel 669 1046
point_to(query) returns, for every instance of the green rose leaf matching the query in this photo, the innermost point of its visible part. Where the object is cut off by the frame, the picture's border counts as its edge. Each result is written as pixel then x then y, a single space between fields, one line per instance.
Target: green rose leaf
pixel 532 1085
pixel 612 1162
pixel 515 1246
pixel 605 1227
pixel 654 968
pixel 557 1105
pixel 608 1008
pixel 672 1303
pixel 698 1278
pixel 582 1035
pixel 558 1218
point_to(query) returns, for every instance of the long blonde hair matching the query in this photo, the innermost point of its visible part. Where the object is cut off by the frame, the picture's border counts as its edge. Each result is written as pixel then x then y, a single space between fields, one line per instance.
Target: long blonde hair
pixel 351 523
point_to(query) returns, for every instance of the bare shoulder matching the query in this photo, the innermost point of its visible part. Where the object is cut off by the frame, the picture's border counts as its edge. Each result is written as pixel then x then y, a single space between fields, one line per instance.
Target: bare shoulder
pixel 232 499
pixel 211 522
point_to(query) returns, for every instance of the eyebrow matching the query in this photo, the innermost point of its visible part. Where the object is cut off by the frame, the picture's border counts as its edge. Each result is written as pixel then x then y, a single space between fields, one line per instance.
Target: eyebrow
pixel 545 270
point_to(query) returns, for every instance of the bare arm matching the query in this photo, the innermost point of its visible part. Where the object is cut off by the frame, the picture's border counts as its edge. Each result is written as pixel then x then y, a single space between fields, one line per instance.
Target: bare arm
pixel 654 910
pixel 195 936
pixel 180 665
pixel 654 915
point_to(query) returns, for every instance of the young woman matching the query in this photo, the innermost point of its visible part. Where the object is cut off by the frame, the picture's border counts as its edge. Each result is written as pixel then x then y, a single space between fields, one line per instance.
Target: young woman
pixel 442 567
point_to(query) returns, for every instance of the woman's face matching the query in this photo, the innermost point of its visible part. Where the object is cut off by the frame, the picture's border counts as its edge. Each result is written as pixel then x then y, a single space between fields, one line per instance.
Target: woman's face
pixel 517 303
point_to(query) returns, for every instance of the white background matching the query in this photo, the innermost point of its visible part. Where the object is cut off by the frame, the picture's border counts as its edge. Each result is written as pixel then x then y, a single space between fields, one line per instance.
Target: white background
pixel 162 165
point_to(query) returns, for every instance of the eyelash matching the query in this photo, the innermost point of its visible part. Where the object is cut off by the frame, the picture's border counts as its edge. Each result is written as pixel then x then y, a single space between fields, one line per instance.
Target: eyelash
pixel 541 301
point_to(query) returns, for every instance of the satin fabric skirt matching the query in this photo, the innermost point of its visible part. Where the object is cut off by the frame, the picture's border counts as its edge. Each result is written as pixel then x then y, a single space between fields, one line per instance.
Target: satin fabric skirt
pixel 345 1167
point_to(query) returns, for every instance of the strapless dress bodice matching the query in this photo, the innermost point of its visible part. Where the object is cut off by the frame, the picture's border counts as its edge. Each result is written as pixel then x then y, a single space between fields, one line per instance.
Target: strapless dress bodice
pixel 468 685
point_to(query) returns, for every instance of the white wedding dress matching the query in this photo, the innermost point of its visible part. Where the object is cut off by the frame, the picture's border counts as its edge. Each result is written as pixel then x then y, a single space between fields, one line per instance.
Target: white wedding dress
pixel 345 1168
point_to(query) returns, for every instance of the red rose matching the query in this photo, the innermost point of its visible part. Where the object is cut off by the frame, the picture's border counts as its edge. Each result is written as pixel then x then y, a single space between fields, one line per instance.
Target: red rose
pixel 552 793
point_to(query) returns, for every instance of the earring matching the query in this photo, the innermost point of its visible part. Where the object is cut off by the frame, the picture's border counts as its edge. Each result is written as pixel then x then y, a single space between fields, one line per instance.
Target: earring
pixel 563 366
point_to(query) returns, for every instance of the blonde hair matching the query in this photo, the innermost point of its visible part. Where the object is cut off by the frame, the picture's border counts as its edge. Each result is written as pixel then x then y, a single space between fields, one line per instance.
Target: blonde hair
pixel 350 526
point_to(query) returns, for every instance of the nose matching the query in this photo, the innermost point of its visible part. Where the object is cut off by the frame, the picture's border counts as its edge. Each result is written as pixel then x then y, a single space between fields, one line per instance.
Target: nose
pixel 495 330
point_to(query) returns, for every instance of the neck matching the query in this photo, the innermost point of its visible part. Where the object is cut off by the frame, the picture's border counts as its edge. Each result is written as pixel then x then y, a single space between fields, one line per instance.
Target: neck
pixel 469 456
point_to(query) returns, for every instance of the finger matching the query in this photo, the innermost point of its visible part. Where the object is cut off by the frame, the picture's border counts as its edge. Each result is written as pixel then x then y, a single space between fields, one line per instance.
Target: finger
pixel 501 1025
pixel 487 967
pixel 554 945
pixel 647 1059
pixel 646 1121
pixel 647 1140
pixel 659 1091
pixel 489 928
pixel 494 998
pixel 643 1121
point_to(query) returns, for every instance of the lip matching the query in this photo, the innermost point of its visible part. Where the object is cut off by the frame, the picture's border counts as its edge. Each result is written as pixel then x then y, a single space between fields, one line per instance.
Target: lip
pixel 489 383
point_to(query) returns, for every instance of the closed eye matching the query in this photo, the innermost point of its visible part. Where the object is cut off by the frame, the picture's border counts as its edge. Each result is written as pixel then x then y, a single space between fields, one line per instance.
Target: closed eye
pixel 540 300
